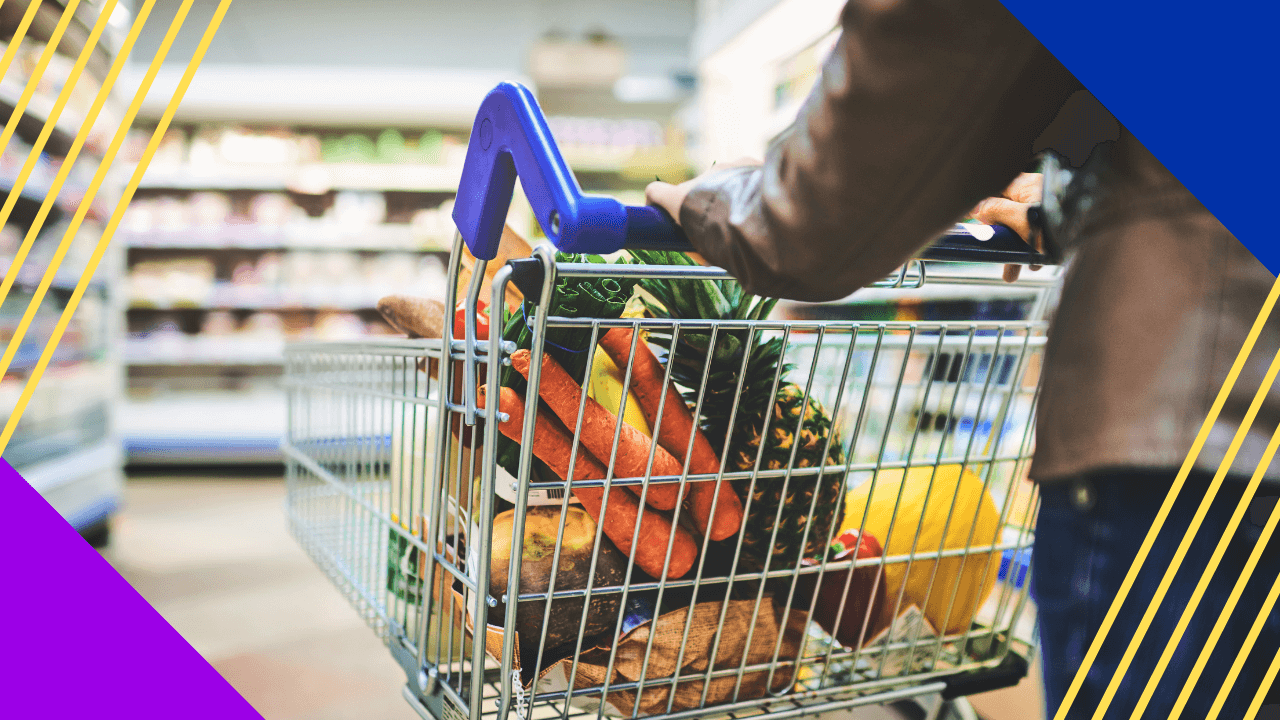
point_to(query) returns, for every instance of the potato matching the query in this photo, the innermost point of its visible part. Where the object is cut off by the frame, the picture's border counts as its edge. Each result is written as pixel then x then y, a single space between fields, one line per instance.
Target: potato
pixel 540 528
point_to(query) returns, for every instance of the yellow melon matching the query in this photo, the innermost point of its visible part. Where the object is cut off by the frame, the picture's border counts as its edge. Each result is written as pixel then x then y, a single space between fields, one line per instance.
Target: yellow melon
pixel 969 577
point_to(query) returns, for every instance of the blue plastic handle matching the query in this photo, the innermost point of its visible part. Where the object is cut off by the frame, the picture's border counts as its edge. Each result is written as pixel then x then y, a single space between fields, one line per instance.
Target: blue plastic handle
pixel 510 138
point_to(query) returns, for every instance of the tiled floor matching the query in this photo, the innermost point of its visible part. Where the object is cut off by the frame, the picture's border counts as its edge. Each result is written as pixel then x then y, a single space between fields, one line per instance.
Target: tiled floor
pixel 214 557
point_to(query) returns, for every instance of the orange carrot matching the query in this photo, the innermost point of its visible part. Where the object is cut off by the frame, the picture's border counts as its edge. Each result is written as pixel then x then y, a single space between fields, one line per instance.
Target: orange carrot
pixel 561 394
pixel 552 444
pixel 647 376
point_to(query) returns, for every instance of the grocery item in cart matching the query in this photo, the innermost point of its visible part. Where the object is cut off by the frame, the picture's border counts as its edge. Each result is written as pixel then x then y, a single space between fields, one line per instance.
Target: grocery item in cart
pixel 944 510
pixel 649 543
pixel 665 410
pixel 736 644
pixel 573 297
pixel 571 570
pixel 631 453
pixel 851 600
pixel 775 424
pixel 606 389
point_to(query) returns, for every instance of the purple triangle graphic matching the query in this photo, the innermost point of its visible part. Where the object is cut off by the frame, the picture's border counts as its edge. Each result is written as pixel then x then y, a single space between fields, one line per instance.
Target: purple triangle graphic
pixel 80 641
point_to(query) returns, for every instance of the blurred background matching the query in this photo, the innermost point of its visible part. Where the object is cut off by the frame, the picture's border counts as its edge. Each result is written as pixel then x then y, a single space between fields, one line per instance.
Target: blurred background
pixel 309 171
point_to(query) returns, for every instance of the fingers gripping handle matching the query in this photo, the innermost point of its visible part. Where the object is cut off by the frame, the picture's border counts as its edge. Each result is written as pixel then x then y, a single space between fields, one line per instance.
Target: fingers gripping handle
pixel 509 140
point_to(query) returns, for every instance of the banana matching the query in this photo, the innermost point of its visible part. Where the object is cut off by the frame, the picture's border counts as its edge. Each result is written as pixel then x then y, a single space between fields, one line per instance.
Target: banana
pixel 606 389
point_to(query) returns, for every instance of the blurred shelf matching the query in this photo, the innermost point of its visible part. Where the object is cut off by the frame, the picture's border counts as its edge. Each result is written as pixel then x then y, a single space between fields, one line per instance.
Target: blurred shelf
pixel 29 354
pixel 311 179
pixel 208 352
pixel 207 362
pixel 253 306
pixel 232 237
pixel 43 442
pixel 34 118
pixel 48 474
pixel 36 190
pixel 73 39
pixel 192 428
pixel 32 272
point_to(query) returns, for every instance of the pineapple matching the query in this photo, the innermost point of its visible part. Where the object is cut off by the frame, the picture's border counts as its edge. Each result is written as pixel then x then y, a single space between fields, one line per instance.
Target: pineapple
pixel 784 441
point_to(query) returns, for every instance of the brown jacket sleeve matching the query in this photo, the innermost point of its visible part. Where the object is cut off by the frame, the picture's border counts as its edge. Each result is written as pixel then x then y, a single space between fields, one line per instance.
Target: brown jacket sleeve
pixel 924 108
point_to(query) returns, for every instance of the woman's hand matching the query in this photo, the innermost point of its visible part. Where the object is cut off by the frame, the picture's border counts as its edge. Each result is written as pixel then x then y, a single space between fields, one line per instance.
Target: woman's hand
pixel 1010 210
pixel 670 197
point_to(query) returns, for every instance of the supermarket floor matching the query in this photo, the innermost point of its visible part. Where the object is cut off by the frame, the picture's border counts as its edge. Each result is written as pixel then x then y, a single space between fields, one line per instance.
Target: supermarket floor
pixel 214 557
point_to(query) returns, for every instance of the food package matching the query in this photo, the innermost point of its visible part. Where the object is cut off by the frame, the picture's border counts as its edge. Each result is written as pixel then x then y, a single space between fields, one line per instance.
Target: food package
pixel 917 641
pixel 928 511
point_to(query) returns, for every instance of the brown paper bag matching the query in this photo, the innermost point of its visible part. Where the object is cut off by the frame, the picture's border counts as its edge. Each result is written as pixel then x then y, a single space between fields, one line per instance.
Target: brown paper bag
pixel 667 631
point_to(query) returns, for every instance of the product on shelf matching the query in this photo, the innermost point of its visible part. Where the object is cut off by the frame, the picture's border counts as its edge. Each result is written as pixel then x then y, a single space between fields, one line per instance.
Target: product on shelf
pixel 183 281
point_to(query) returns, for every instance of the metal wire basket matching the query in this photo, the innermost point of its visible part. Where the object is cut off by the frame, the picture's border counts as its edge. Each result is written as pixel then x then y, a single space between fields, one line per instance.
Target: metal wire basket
pixel 397 470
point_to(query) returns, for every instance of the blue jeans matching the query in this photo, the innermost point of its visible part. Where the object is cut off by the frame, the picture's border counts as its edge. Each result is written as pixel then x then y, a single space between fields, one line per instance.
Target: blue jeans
pixel 1087 535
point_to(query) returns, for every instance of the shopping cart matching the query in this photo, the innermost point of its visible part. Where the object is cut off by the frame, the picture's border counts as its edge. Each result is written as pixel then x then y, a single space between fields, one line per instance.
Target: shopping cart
pixel 397 468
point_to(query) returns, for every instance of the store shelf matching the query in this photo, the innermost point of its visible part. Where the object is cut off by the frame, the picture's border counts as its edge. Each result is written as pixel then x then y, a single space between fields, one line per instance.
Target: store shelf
pixel 32 273
pixel 310 179
pixel 230 237
pixel 214 363
pixel 49 474
pixel 264 306
pixel 46 20
pixel 34 118
pixel 41 442
pixel 204 428
pixel 211 351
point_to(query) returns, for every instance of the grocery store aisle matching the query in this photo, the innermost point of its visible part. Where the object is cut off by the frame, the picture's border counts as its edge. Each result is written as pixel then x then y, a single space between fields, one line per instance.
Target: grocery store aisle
pixel 214 557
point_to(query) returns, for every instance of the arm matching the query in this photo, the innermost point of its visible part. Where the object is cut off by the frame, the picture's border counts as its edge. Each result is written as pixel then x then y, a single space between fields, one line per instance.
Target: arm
pixel 924 108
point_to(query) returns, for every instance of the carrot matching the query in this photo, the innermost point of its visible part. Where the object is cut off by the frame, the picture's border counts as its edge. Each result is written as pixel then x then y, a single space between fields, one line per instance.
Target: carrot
pixel 552 444
pixel 647 379
pixel 561 394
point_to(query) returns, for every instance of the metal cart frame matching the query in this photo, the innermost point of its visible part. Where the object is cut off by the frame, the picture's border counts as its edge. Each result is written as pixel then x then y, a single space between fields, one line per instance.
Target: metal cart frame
pixel 384 461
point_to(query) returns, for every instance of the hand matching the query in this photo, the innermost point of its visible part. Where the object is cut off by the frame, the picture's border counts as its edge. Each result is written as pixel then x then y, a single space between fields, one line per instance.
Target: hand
pixel 1010 210
pixel 670 197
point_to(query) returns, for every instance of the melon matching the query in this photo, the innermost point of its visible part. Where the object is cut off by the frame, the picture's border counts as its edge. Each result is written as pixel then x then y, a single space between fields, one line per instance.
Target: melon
pixel 924 509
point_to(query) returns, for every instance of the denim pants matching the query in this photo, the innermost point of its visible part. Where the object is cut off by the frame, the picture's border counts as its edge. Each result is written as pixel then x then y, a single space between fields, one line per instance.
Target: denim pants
pixel 1088 533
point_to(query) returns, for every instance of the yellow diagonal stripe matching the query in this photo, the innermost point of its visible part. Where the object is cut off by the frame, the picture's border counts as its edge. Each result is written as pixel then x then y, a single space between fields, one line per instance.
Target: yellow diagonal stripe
pixel 18 35
pixel 68 162
pixel 1229 607
pixel 116 216
pixel 1267 606
pixel 34 156
pixel 1269 678
pixel 104 167
pixel 1201 437
pixel 38 73
pixel 1198 594
pixel 1187 538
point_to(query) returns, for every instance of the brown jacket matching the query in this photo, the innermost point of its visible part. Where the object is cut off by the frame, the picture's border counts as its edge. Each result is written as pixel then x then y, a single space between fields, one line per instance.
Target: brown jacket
pixel 926 107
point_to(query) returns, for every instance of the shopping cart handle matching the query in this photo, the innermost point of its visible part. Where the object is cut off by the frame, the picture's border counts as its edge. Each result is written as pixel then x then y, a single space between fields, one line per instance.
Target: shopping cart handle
pixel 968 242
pixel 509 140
